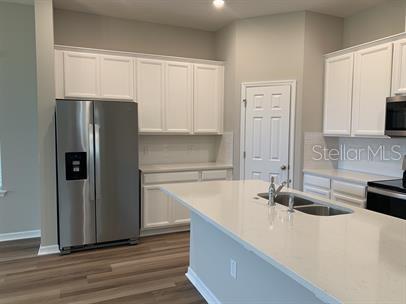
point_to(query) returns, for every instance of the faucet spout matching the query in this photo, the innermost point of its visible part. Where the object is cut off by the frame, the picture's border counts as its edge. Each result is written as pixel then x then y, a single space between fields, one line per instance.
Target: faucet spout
pixel 280 187
pixel 273 191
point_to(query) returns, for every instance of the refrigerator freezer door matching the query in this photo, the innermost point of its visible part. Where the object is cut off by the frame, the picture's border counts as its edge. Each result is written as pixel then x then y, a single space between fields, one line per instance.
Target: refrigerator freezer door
pixel 75 146
pixel 117 177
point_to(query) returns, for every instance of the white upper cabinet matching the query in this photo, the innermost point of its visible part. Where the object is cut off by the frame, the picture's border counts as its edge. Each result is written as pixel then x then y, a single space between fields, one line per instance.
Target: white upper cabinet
pixel 59 83
pixel 88 75
pixel 399 68
pixel 338 95
pixel 150 95
pixel 208 98
pixel 117 77
pixel 178 97
pixel 174 97
pixel 372 85
pixel 81 75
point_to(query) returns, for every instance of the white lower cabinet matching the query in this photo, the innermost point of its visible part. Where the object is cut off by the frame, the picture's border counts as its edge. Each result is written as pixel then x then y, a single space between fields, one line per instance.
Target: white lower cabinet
pixel 156 208
pixel 316 185
pixel 160 212
pixel 180 214
pixel 316 191
pixel 348 193
pixel 336 190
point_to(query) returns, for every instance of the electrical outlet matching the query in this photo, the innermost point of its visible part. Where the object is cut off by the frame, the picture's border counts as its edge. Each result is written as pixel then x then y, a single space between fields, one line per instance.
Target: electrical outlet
pixel 233 269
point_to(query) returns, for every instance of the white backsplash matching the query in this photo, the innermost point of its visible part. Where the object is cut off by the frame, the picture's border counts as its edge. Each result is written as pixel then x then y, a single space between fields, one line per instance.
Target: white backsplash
pixel 225 148
pixel 389 165
pixel 315 139
pixel 385 161
pixel 166 149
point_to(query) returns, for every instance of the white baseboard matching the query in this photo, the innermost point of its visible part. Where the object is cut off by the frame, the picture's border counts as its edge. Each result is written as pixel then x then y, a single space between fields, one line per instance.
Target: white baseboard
pixel 201 287
pixel 20 235
pixel 3 193
pixel 51 249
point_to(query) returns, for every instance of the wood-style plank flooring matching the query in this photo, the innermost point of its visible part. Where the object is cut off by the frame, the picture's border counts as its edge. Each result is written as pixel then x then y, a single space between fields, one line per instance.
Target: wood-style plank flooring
pixel 150 272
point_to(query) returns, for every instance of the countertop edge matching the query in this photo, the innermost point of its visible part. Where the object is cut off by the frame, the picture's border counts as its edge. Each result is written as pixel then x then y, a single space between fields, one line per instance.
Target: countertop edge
pixel 363 182
pixel 188 167
pixel 318 292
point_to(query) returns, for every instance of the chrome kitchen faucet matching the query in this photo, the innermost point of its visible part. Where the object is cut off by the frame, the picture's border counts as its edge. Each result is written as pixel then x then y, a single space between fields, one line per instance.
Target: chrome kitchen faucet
pixel 273 191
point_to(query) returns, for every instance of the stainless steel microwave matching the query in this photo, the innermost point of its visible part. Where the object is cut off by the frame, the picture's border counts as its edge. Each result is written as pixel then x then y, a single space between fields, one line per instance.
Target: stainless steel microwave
pixel 395 119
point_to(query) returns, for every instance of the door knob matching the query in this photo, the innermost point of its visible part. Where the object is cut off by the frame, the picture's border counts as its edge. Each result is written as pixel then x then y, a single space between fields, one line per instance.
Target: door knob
pixel 283 167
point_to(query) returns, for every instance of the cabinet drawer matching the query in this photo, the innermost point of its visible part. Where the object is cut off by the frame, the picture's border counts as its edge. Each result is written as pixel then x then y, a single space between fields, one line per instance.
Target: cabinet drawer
pixel 348 189
pixel 348 200
pixel 316 191
pixel 214 174
pixel 318 181
pixel 157 178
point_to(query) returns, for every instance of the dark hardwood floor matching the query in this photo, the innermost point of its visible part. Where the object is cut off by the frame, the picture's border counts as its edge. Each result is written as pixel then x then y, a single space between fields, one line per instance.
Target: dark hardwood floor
pixel 14 250
pixel 150 272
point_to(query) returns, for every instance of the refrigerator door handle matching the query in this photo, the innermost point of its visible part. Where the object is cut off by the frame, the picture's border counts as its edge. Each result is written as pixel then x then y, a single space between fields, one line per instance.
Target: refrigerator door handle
pixel 91 163
pixel 97 160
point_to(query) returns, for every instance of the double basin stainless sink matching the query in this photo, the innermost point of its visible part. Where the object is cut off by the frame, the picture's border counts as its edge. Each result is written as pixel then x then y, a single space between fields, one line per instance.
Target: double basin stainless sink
pixel 307 206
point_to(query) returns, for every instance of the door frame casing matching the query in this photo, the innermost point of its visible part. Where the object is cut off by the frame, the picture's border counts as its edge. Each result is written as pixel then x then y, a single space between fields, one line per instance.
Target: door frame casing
pixel 244 87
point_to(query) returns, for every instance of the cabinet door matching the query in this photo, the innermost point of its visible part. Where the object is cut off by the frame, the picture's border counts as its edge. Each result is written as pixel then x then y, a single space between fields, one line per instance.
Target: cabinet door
pixel 215 175
pixel 81 74
pixel 156 208
pixel 348 199
pixel 150 95
pixel 372 85
pixel 316 191
pixel 399 68
pixel 179 97
pixel 117 77
pixel 208 98
pixel 180 214
pixel 338 95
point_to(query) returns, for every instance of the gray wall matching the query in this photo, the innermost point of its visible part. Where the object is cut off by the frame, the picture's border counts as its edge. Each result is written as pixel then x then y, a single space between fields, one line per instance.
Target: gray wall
pixel 19 210
pixel 226 49
pixel 374 23
pixel 323 34
pixel 86 30
pixel 258 49
pixel 46 130
pixel 278 47
pixel 271 48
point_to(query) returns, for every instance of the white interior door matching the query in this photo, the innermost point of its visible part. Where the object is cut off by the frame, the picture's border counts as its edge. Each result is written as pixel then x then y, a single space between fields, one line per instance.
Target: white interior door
pixel 267 123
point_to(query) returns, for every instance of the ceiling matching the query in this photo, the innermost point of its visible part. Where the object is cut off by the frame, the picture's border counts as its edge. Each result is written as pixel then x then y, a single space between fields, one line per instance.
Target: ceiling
pixel 200 14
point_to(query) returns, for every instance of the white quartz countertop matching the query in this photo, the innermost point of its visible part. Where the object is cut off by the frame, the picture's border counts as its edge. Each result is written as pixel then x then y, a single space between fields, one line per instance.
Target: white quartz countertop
pixel 352 258
pixel 348 175
pixel 183 167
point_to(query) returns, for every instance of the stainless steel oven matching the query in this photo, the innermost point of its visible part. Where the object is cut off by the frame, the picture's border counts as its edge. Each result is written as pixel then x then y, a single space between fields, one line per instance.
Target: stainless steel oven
pixel 395 125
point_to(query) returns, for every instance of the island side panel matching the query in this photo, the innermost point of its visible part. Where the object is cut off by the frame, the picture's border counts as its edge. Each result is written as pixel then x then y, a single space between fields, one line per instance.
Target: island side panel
pixel 256 281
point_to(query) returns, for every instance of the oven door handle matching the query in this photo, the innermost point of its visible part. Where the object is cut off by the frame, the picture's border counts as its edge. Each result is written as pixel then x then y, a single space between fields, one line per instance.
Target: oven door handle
pixel 389 193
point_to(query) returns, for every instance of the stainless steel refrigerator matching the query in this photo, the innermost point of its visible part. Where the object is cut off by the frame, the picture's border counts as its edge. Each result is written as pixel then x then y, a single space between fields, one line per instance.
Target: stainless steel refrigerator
pixel 98 177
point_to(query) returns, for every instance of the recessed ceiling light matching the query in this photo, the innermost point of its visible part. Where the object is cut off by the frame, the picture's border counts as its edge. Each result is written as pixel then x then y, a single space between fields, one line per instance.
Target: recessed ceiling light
pixel 218 3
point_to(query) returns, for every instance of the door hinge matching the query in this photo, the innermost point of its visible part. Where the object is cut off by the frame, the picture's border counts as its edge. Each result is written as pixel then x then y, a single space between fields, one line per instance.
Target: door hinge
pixel 245 102
pixel 244 154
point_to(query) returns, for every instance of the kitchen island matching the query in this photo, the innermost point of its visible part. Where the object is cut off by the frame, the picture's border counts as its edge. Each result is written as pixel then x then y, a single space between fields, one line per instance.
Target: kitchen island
pixel 243 251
